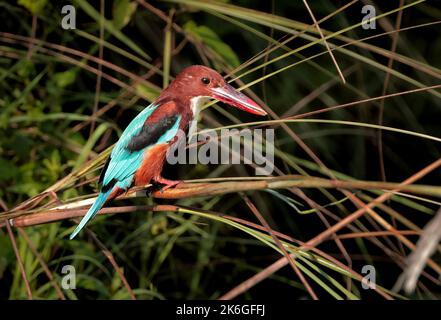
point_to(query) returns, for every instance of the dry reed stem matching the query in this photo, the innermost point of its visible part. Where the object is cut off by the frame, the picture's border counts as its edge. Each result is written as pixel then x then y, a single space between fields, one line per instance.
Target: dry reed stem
pixel 19 261
pixel 324 41
pixel 23 218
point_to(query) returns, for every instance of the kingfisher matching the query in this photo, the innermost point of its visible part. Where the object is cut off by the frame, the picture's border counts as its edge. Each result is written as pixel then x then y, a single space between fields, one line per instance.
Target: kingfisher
pixel 140 153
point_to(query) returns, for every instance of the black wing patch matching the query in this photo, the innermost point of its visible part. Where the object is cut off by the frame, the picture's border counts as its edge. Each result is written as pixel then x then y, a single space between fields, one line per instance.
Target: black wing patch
pixel 103 173
pixel 151 133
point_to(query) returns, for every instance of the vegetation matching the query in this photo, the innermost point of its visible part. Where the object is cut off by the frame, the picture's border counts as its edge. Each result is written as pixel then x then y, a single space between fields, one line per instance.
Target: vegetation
pixel 356 113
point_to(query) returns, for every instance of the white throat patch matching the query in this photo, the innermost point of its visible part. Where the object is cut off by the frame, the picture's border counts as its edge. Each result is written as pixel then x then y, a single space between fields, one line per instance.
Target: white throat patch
pixel 195 104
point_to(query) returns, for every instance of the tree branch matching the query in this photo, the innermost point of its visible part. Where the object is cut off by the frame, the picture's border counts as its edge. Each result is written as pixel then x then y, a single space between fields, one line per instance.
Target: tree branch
pixel 23 217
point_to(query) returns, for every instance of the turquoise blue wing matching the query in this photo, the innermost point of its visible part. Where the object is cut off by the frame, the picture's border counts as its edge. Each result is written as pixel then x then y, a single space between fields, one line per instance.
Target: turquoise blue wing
pixel 124 161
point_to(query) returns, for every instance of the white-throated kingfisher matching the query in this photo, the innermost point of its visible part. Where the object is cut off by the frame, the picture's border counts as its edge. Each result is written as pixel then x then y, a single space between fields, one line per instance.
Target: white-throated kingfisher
pixel 139 155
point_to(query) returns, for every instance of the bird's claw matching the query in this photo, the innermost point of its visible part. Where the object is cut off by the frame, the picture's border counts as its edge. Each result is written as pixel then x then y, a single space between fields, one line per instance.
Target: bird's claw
pixel 168 183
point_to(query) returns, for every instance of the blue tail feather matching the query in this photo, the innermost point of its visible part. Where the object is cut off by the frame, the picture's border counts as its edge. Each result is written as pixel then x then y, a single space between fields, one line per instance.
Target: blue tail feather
pixel 99 202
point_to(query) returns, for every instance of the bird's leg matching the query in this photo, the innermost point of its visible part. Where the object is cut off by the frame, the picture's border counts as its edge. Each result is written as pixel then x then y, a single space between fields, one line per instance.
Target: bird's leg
pixel 168 183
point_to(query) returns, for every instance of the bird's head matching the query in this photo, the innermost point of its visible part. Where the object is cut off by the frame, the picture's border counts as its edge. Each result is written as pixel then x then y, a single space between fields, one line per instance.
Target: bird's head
pixel 200 81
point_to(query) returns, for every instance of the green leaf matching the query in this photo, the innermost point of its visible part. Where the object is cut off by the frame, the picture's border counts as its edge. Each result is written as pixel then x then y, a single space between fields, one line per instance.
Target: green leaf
pixel 65 78
pixel 122 12
pixel 116 281
pixel 111 28
pixel 212 40
pixel 8 170
pixel 147 93
pixel 25 68
pixel 53 165
pixel 99 131
pixel 34 6
pixel 167 51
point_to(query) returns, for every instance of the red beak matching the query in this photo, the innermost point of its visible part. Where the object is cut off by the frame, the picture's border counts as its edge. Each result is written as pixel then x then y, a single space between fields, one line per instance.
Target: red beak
pixel 237 99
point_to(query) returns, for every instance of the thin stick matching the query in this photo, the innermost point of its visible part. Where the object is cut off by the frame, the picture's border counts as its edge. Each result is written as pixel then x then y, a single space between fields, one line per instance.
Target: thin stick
pixel 100 68
pixel 385 86
pixel 353 103
pixel 377 234
pixel 33 34
pixel 19 261
pixel 57 215
pixel 325 42
pixel 17 254
pixel 43 264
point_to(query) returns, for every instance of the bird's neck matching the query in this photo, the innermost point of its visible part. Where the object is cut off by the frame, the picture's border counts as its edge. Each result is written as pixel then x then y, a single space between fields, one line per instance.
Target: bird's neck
pixel 187 106
pixel 196 104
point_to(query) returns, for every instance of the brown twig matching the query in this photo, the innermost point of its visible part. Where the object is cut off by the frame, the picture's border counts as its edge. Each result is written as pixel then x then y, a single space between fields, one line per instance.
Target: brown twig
pixel 385 86
pixel 17 254
pixel 324 41
pixel 377 234
pixel 49 216
pixel 19 261
pixel 189 190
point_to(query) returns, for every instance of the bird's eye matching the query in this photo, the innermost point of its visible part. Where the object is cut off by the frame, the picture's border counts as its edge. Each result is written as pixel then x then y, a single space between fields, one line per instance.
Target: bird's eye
pixel 205 81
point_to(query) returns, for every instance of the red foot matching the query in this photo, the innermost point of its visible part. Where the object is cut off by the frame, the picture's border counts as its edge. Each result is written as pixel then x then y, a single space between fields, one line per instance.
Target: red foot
pixel 168 183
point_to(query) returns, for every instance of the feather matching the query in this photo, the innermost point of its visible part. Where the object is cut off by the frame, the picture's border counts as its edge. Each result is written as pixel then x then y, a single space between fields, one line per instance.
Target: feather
pixel 151 133
pixel 122 162
pixel 99 202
